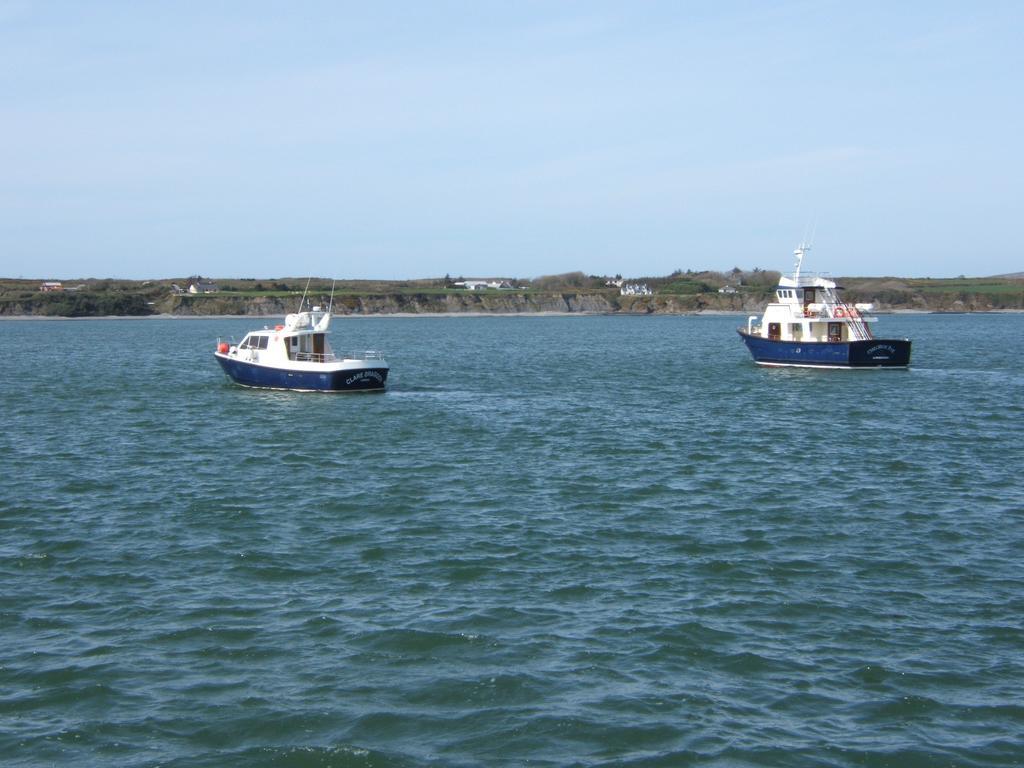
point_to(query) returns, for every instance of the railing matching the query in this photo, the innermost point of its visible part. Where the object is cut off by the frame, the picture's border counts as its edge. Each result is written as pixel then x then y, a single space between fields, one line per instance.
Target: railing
pixel 367 354
pixel 839 311
pixel 314 357
pixel 858 330
pixel 330 357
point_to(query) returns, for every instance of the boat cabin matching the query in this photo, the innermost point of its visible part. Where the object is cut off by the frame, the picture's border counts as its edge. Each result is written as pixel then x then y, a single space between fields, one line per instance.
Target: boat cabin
pixel 270 345
pixel 808 308
pixel 302 338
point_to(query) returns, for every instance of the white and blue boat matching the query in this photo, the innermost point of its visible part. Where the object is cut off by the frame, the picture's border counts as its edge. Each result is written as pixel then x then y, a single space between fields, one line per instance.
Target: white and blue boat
pixel 809 326
pixel 297 355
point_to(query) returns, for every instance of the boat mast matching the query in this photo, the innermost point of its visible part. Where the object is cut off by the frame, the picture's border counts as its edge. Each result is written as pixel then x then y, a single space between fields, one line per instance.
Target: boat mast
pixel 303 299
pixel 800 252
pixel 802 249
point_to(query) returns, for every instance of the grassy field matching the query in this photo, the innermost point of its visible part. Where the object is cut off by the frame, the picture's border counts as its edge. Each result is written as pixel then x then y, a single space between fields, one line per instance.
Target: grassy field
pixel 979 285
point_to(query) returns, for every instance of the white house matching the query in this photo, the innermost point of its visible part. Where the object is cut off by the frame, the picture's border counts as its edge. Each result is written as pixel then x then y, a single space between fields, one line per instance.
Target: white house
pixel 635 289
pixel 202 288
pixel 480 285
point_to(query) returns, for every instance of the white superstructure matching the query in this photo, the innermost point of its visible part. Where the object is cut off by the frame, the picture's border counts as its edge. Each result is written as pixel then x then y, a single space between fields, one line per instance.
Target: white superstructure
pixel 807 308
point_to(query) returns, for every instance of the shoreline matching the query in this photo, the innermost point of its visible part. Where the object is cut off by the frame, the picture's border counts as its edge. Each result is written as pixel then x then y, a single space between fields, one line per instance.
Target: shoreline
pixel 445 315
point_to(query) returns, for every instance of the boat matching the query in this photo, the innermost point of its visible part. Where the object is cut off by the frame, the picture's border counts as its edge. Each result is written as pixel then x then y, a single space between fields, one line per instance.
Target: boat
pixel 809 326
pixel 297 355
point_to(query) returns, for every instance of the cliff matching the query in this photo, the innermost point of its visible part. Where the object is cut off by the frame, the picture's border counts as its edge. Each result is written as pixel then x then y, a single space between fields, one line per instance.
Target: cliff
pixel 593 302
pixel 127 298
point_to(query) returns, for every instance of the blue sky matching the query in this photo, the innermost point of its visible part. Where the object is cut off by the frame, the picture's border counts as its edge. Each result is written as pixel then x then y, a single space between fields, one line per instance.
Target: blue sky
pixel 414 139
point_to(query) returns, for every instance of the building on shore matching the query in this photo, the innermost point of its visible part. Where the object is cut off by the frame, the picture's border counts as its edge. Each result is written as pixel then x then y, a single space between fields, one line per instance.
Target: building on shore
pixel 635 289
pixel 482 285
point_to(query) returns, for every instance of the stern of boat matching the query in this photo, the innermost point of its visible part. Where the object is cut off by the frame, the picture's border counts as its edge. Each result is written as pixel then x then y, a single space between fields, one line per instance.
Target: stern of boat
pixel 880 353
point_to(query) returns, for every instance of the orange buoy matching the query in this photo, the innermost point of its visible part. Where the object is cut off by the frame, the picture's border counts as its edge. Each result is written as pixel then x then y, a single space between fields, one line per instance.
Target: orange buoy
pixel 223 347
pixel 278 327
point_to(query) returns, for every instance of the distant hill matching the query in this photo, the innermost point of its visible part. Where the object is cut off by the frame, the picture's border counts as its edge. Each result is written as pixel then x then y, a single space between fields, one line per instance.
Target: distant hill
pixel 679 293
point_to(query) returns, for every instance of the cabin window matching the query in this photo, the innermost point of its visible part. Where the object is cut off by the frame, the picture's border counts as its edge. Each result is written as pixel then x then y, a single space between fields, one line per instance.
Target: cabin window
pixel 835 332
pixel 253 342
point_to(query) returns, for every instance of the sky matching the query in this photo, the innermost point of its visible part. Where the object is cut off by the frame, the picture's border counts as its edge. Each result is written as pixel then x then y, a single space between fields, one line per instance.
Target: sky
pixel 401 140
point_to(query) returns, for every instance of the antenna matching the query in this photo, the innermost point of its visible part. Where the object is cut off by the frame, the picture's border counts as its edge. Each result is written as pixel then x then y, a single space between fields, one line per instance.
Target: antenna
pixel 800 252
pixel 303 299
pixel 810 230
pixel 804 247
pixel 331 305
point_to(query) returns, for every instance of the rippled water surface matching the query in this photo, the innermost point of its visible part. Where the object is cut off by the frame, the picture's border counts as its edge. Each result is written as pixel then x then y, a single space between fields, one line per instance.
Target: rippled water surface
pixel 553 541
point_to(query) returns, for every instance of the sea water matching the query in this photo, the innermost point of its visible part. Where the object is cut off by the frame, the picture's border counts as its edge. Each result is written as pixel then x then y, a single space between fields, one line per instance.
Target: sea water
pixel 553 541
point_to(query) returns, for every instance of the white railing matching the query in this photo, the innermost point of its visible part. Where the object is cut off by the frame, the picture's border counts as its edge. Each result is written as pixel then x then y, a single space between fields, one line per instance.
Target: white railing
pixel 367 354
pixel 330 357
pixel 314 357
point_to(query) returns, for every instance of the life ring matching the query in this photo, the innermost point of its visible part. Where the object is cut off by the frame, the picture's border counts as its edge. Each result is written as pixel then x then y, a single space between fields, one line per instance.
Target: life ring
pixel 840 312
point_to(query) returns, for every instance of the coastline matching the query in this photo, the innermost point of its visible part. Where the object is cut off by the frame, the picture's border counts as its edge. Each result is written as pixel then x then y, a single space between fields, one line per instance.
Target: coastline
pixel 689 293
pixel 445 315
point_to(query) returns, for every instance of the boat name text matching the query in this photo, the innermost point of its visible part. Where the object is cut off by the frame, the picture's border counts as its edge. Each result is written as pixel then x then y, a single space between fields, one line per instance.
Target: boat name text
pixel 364 376
pixel 882 348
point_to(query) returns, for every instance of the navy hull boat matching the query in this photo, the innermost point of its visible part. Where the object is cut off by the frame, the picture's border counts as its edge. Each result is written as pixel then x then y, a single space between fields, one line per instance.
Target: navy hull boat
pixel 809 326
pixel 297 355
